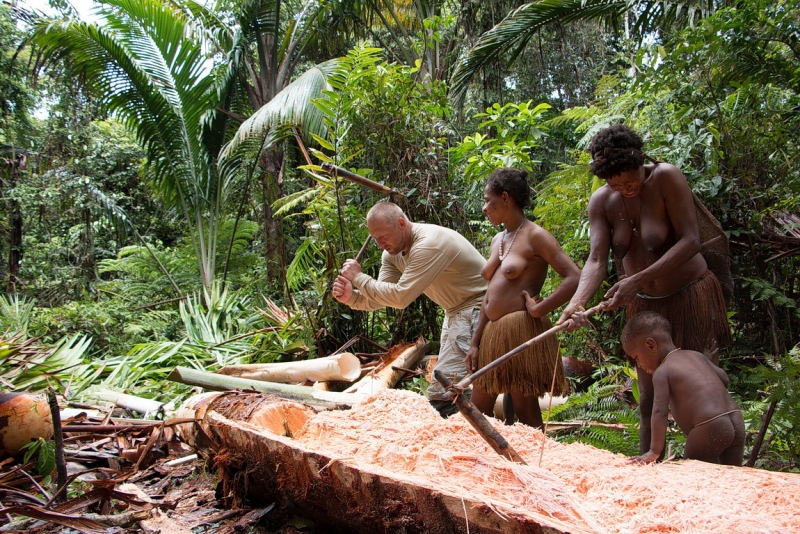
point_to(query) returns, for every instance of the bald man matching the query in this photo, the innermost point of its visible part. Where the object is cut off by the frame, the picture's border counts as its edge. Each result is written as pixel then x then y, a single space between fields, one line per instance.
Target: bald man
pixel 421 258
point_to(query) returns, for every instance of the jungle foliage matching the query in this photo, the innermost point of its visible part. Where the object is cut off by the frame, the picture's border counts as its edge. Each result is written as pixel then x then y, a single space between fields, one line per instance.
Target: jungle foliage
pixel 165 205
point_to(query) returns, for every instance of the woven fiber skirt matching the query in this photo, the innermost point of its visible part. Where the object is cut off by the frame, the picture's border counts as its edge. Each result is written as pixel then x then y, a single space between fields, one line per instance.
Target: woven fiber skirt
pixel 697 313
pixel 530 371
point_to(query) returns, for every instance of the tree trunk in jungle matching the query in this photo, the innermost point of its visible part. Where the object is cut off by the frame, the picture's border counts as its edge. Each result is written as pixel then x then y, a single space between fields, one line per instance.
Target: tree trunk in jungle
pixel 88 261
pixel 272 161
pixel 15 226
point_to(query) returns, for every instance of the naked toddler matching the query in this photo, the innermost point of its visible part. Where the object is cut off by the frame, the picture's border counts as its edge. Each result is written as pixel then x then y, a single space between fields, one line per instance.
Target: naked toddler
pixel 688 385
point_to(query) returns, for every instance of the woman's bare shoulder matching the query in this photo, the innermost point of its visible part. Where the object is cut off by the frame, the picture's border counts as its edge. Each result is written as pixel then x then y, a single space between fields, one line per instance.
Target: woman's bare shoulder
pixel 665 173
pixel 537 232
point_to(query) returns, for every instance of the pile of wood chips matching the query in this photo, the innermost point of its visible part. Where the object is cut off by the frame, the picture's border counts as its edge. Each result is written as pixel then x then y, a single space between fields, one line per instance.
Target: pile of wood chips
pixel 580 487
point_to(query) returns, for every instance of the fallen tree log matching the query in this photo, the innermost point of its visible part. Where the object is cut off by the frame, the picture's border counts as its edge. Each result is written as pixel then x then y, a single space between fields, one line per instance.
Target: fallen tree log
pixel 344 366
pixel 264 452
pixel 384 376
pixel 24 417
pixel 303 394
pixel 391 464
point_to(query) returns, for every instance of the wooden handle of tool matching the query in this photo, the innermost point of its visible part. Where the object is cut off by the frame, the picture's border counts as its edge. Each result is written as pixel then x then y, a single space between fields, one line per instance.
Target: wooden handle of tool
pixel 547 333
pixel 356 178
pixel 363 249
pixel 478 421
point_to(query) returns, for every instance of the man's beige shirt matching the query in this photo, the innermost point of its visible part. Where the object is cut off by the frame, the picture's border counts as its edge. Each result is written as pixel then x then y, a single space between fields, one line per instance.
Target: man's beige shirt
pixel 440 263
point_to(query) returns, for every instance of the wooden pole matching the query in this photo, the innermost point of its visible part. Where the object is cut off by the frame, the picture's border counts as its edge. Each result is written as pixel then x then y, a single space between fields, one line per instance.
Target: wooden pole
pixel 531 342
pixel 495 440
pixel 58 437
pixel 363 249
pixel 473 415
pixel 357 178
pixel 302 394
pixel 751 462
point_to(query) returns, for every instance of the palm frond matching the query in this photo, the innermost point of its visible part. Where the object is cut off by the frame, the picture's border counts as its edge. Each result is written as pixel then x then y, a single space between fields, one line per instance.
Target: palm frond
pixel 511 34
pixel 26 365
pixel 284 205
pixel 290 108
pixel 304 264
pixel 15 314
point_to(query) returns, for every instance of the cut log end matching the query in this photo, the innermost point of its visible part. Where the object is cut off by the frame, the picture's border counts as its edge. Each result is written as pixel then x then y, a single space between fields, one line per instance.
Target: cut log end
pixel 24 417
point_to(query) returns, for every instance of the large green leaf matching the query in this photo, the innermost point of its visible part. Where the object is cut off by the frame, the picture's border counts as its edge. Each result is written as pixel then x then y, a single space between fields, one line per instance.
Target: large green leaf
pixel 291 107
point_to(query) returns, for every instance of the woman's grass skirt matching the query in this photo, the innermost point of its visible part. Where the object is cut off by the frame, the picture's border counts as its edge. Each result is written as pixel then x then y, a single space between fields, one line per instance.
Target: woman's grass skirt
pixel 530 371
pixel 697 313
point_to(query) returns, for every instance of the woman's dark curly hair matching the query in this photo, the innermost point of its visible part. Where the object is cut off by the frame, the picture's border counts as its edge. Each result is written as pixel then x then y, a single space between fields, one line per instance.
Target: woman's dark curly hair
pixel 615 150
pixel 512 181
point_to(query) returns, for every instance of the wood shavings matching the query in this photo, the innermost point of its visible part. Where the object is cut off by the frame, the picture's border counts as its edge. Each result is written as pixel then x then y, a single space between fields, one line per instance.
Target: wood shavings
pixel 591 489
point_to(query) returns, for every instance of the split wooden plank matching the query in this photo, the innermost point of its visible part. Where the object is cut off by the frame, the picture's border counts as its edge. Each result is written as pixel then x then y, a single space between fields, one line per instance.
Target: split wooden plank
pixel 384 376
pixel 344 366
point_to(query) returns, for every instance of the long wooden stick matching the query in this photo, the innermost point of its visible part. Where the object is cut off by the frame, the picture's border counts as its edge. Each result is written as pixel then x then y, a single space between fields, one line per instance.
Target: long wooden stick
pixel 474 416
pixel 478 421
pixel 363 249
pixel 357 178
pixel 531 342
pixel 751 462
pixel 58 437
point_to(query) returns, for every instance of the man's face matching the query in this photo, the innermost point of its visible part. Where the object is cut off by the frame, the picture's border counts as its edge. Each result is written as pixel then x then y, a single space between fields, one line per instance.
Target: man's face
pixel 390 236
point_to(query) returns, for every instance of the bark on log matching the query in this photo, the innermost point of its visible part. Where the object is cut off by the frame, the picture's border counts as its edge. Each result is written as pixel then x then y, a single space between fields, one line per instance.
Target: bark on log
pixel 384 376
pixel 337 493
pixel 304 394
pixel 344 366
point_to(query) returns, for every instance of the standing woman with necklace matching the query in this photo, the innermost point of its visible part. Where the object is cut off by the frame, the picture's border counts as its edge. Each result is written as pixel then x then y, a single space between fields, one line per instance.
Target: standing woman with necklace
pixel 645 215
pixel 513 311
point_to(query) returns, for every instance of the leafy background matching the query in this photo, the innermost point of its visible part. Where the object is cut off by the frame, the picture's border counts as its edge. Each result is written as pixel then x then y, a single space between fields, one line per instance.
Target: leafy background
pixel 171 209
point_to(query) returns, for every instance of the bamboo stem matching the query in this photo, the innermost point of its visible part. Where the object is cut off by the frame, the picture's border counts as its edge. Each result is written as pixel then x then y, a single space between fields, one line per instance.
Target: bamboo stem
pixel 303 394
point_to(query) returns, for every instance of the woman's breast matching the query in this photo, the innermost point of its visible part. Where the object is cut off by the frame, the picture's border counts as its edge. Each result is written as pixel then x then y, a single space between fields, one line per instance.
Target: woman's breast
pixel 656 237
pixel 621 237
pixel 504 293
pixel 512 267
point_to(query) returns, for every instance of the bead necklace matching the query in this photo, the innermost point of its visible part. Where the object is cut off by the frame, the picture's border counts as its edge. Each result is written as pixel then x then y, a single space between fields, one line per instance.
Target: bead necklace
pixel 670 352
pixel 505 233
